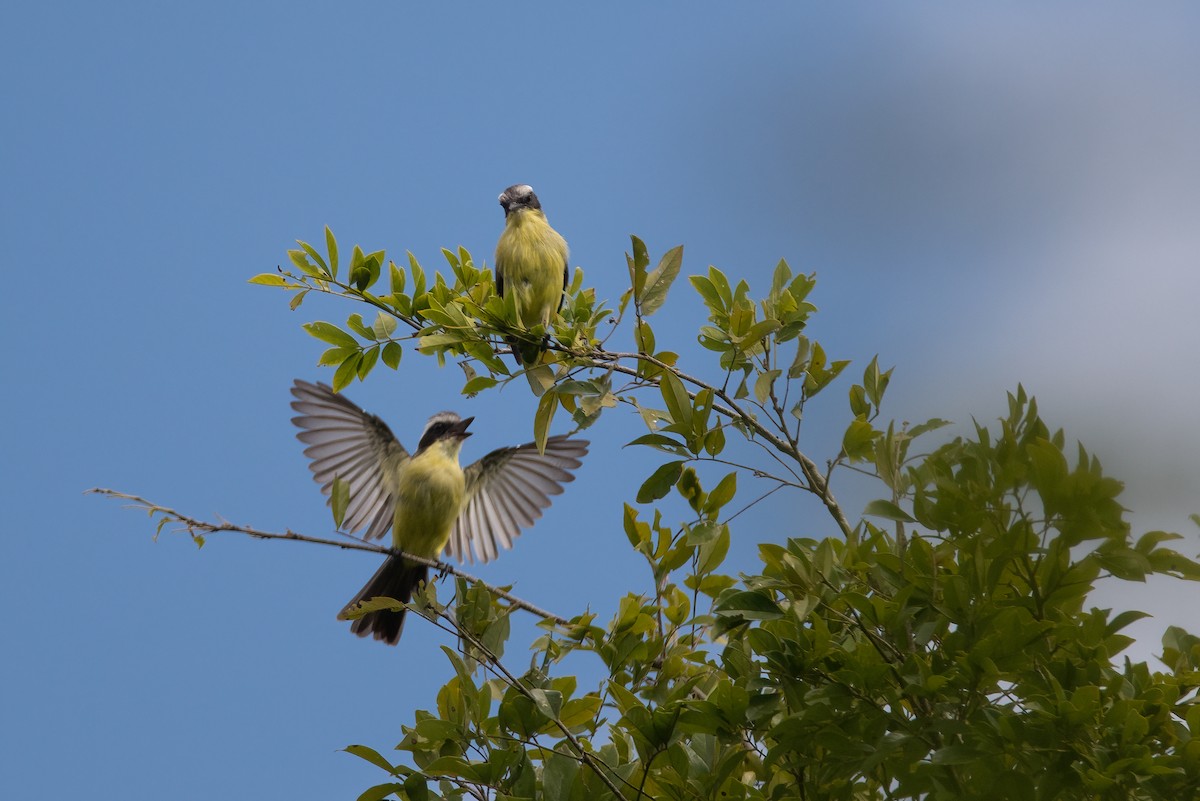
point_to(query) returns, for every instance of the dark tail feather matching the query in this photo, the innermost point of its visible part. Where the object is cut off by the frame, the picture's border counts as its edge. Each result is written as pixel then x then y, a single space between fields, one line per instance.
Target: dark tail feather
pixel 524 353
pixel 393 579
pixel 527 352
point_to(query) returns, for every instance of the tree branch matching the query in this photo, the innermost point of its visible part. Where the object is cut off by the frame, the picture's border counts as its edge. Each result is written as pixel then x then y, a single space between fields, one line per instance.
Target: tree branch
pixel 733 410
pixel 195 527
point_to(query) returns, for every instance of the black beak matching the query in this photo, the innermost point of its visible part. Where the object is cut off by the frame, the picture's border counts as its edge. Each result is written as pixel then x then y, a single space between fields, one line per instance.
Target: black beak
pixel 459 429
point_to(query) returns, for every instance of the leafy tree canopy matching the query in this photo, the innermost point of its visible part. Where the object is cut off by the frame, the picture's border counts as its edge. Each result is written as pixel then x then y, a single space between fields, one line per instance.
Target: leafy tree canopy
pixel 941 645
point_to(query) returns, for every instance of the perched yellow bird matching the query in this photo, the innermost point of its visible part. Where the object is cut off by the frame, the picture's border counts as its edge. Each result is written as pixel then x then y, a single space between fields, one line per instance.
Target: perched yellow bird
pixel 430 503
pixel 531 264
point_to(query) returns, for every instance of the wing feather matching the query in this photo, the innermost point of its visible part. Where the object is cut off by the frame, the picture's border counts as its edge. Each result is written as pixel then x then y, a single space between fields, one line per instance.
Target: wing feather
pixel 348 443
pixel 519 504
pixel 507 490
pixel 496 519
pixel 532 486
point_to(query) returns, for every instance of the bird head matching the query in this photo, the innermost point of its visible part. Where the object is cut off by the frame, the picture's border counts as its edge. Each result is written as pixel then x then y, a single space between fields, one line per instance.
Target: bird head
pixel 517 197
pixel 445 427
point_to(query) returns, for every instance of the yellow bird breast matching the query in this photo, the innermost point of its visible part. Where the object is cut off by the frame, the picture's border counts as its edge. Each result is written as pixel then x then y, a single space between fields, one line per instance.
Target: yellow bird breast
pixel 429 496
pixel 531 257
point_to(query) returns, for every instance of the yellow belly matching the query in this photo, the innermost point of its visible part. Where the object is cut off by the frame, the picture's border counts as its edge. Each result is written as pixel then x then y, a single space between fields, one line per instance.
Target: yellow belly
pixel 531 256
pixel 428 499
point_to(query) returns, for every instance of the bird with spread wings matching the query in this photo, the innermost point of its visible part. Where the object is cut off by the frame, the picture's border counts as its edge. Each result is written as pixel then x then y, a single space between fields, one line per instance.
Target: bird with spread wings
pixel 428 501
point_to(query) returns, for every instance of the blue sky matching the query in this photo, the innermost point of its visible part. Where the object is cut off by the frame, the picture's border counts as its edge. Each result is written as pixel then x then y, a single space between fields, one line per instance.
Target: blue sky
pixel 987 197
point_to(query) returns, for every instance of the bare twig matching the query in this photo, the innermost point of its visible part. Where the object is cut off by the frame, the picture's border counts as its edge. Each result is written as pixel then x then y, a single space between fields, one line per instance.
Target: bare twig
pixel 194 526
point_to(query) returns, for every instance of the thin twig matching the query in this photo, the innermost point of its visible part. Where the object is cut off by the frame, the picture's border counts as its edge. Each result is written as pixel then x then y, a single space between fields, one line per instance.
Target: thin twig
pixel 194 526
pixel 733 410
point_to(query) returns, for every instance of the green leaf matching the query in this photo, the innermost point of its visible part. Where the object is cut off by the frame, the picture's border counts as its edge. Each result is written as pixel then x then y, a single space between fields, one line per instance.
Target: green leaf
pixel 637 531
pixel 431 342
pixel 300 259
pixel 643 336
pixel 331 246
pixel 328 332
pixel 800 363
pixel 714 441
pixel 659 281
pixel 451 765
pixel 713 552
pixel 397 278
pixel 759 331
pixel 460 667
pixel 418 275
pixel 269 279
pixel 690 489
pixel 370 755
pixel 638 263
pixel 660 482
pixel 335 356
pixel 547 406
pixel 932 424
pixel 580 711
pixel 750 604
pixel 382 791
pixel 780 278
pixel 872 382
pixel 1124 563
pixel 764 383
pixel 478 384
pixel 887 510
pixel 708 293
pixel 955 755
pixel 367 361
pixel 346 372
pixel 1049 465
pixel 391 355
pixel 662 442
pixel 859 439
pixel 313 254
pixel 677 556
pixel 379 603
pixel 721 284
pixel 355 321
pixel 859 407
pixel 540 379
pixel 384 325
pixel 364 268
pixel 722 494
pixel 701 533
pixel 548 702
pixel 558 775
pixel 678 403
pixel 339 499
pixel 1147 542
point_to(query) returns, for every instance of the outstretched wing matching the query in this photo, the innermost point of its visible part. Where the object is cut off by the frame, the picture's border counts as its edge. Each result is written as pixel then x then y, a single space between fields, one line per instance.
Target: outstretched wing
pixel 506 491
pixel 346 442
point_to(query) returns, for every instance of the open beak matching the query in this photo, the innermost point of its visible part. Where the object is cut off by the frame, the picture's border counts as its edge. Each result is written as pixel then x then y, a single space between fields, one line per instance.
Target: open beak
pixel 459 429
